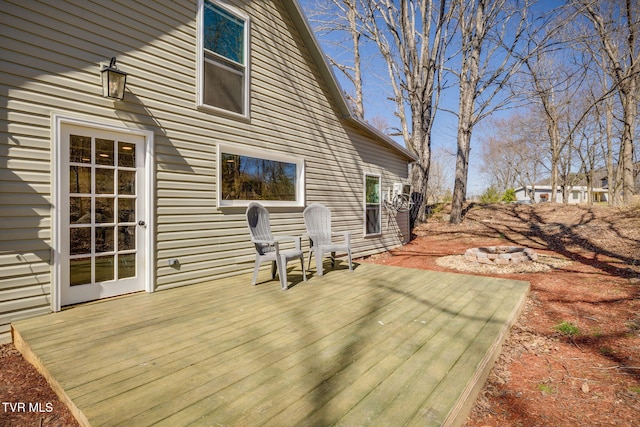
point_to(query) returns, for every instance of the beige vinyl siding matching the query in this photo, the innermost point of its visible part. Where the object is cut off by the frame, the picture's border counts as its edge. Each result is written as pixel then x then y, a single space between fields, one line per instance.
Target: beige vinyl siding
pixel 25 227
pixel 51 62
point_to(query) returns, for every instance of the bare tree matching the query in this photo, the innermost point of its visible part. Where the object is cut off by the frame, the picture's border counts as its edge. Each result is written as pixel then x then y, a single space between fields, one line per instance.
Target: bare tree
pixel 499 151
pixel 489 32
pixel 411 38
pixel 588 142
pixel 530 158
pixel 546 80
pixel 615 27
pixel 381 123
pixel 341 16
pixel 513 150
pixel 440 176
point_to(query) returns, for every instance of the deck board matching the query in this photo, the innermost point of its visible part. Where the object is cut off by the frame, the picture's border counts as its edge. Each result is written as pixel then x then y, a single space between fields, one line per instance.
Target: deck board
pixel 378 346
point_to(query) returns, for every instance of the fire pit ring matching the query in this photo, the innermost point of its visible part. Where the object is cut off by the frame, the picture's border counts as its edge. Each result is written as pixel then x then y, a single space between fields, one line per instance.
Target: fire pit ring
pixel 500 255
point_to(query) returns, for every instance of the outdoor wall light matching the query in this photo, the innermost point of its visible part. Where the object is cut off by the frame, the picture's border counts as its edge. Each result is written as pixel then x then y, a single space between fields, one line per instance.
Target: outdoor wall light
pixel 113 81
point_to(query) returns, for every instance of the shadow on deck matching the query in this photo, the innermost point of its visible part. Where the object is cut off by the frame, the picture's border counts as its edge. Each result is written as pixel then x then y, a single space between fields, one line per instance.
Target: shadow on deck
pixel 379 346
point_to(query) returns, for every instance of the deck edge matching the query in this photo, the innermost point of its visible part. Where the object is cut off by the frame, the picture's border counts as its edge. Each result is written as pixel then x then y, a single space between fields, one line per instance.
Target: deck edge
pixel 29 355
pixel 460 411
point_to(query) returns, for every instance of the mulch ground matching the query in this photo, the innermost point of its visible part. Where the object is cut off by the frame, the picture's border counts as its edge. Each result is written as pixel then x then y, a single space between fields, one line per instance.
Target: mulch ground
pixel 573 357
pixel 25 396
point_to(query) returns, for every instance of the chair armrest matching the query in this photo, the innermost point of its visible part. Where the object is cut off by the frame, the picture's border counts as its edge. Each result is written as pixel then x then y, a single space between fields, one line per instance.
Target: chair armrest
pixel 263 242
pixel 273 243
pixel 345 235
pixel 296 239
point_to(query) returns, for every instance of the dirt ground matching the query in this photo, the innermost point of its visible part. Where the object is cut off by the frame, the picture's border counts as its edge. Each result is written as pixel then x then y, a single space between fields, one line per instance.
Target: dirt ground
pixel 573 357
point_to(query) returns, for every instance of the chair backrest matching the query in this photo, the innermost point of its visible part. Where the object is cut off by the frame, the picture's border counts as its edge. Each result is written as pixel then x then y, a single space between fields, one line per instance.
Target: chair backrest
pixel 259 226
pixel 317 219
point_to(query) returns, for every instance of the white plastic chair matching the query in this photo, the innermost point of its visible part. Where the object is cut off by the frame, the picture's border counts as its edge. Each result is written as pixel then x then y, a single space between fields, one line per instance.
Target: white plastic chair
pixel 317 219
pixel 268 246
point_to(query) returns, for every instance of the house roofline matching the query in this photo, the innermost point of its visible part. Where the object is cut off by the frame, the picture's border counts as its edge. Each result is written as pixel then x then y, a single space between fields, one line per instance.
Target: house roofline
pixel 320 59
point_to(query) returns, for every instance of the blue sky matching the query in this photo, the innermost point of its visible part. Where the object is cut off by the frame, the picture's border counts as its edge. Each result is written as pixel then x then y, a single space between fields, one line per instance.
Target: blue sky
pixel 376 92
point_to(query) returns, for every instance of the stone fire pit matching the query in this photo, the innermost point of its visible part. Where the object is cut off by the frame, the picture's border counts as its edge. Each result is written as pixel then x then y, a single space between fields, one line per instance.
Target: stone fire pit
pixel 500 255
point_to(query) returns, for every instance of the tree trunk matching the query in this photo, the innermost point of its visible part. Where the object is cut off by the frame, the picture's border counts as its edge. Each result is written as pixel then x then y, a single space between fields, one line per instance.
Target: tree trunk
pixel 554 137
pixel 612 194
pixel 473 34
pixel 462 156
pixel 462 174
pixel 419 176
pixel 630 106
pixel 357 62
pixel 623 68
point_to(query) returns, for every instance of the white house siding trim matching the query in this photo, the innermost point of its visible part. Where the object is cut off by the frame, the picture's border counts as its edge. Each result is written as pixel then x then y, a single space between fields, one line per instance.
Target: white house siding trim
pixel 51 63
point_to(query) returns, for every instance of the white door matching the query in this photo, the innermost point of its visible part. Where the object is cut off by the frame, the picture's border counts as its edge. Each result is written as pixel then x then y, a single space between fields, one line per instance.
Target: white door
pixel 102 214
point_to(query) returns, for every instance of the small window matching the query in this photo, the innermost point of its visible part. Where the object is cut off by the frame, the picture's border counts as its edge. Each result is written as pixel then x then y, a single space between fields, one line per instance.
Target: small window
pixel 372 209
pixel 273 179
pixel 223 80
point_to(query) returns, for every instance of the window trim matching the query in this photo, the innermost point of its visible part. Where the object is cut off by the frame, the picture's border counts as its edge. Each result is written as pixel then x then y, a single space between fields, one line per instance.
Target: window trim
pixel 267 155
pixel 200 60
pixel 364 203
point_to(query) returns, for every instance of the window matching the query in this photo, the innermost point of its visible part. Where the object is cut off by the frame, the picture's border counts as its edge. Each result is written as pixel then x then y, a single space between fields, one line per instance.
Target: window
pixel 372 209
pixel 222 61
pixel 254 175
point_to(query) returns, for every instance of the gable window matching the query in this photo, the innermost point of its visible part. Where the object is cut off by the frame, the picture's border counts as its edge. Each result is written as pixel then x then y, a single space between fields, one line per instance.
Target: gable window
pixel 222 59
pixel 255 175
pixel 372 208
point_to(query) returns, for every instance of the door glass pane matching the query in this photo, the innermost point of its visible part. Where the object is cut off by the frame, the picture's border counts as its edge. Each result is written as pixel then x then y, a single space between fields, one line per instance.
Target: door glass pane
pixel 126 238
pixel 104 209
pixel 104 239
pixel 79 210
pixel 104 152
pixel 80 271
pixel 104 181
pixel 101 211
pixel 126 154
pixel 126 182
pixel 104 268
pixel 126 210
pixel 80 149
pixel 79 240
pixel 79 179
pixel 126 266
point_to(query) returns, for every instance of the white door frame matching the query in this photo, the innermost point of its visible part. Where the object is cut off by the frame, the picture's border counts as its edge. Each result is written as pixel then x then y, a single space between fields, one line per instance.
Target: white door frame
pixel 58 122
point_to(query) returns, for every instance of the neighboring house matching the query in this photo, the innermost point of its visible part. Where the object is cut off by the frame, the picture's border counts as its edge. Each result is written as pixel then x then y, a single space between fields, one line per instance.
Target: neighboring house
pixel 225 102
pixel 577 194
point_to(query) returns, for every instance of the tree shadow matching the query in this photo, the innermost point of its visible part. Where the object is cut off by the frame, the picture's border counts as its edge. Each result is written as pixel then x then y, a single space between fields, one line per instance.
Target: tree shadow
pixel 571 240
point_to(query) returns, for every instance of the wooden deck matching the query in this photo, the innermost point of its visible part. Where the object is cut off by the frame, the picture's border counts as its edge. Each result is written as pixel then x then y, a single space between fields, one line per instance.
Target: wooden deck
pixel 379 346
